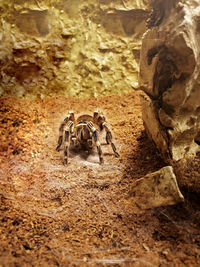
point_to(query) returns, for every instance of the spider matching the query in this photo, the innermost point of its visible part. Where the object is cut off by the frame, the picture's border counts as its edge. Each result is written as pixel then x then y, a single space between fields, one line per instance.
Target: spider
pixel 83 133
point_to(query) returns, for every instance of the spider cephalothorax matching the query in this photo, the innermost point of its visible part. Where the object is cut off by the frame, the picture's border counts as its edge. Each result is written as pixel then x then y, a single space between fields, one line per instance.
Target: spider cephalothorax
pixel 83 132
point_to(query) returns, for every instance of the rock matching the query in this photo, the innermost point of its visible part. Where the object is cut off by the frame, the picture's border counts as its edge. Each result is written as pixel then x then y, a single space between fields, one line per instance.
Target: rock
pixel 152 125
pixel 170 78
pixel 156 189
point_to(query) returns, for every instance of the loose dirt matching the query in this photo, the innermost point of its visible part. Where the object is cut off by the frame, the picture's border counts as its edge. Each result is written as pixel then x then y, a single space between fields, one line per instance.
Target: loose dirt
pixel 76 215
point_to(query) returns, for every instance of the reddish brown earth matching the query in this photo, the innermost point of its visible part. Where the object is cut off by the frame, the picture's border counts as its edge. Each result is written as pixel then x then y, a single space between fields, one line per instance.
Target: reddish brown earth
pixel 77 215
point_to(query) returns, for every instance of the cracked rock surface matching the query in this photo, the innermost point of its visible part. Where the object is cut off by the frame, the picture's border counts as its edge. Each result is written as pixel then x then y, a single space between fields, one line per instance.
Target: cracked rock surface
pixel 156 189
pixel 170 77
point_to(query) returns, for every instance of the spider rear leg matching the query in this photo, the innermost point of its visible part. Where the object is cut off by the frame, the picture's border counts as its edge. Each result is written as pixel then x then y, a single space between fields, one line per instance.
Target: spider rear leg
pixel 109 139
pixel 95 136
pixel 67 138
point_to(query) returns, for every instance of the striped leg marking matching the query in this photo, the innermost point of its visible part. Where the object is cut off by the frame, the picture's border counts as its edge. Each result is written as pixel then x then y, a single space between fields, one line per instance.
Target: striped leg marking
pixel 60 139
pixel 67 136
pixel 94 132
pixel 109 138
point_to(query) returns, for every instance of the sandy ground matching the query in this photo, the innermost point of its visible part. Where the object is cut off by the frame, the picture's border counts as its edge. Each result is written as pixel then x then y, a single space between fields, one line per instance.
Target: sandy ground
pixel 76 215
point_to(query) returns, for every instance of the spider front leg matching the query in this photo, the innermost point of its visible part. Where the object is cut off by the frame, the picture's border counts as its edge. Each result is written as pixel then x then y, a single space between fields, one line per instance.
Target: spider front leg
pixel 95 136
pixel 60 138
pixel 70 117
pixel 109 138
pixel 67 138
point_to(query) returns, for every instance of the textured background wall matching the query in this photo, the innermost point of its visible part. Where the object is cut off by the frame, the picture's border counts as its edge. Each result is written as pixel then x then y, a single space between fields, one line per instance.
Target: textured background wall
pixel 78 48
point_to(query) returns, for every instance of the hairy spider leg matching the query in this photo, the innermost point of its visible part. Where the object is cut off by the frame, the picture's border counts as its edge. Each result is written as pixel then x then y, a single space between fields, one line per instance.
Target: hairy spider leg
pixel 70 116
pixel 60 138
pixel 95 136
pixel 95 115
pixel 67 137
pixel 109 138
pixel 99 118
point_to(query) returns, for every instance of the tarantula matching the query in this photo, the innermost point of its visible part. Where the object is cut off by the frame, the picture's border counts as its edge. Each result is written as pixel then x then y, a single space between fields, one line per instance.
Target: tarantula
pixel 83 133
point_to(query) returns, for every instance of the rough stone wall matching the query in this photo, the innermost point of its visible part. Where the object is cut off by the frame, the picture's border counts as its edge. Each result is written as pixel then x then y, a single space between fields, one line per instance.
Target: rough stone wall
pixel 78 47
pixel 170 78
